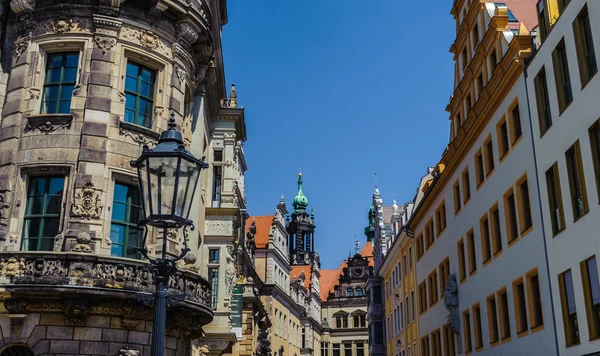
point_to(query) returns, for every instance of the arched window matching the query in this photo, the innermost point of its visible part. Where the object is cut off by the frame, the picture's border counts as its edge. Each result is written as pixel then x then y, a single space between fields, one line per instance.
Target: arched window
pixel 350 292
pixel 359 292
pixel 17 350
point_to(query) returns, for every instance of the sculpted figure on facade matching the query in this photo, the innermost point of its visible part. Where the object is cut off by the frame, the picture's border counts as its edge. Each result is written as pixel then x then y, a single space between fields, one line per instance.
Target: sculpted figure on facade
pixel 87 203
pixel 451 302
pixel 230 272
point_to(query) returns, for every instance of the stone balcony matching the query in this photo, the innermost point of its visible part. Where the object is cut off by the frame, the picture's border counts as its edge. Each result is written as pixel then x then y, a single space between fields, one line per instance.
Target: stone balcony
pixel 79 285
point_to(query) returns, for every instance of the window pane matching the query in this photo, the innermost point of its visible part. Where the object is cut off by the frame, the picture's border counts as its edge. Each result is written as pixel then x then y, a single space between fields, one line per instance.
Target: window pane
pixel 55 60
pixel 57 185
pixel 72 60
pixel 118 211
pixel 570 293
pixel 31 228
pixel 146 89
pixel 131 84
pixel 594 282
pixel 35 205
pixel 65 107
pixel 147 75
pixel 53 204
pixel 70 75
pixel 144 107
pixel 129 115
pixel 50 93
pixel 66 92
pixel 47 244
pixel 132 69
pixel 31 244
pixel 117 234
pixel 53 75
pixel 116 250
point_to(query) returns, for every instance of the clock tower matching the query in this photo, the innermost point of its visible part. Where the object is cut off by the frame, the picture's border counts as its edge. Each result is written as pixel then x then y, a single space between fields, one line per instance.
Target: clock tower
pixel 301 230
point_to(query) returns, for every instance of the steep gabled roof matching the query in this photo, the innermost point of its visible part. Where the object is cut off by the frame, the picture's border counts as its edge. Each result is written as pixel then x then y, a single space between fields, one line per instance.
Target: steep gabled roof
pixel 263 228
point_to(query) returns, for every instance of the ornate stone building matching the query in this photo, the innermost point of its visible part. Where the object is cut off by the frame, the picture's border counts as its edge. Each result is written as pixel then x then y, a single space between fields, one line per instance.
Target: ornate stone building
pixel 85 85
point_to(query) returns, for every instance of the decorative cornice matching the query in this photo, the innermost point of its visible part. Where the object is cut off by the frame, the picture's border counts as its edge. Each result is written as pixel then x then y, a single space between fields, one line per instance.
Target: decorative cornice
pixel 139 134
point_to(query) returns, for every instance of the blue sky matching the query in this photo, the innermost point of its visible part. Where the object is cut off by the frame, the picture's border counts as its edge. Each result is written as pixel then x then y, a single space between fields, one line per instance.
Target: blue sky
pixel 343 89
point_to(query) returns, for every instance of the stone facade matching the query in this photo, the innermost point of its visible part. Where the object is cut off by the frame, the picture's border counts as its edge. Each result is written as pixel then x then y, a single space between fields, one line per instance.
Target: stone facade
pixel 65 236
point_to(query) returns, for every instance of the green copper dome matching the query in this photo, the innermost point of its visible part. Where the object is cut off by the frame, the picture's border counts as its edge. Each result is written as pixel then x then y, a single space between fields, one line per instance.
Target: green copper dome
pixel 300 201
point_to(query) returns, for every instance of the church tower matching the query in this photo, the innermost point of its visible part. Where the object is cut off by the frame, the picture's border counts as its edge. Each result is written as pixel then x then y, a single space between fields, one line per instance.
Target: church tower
pixel 301 230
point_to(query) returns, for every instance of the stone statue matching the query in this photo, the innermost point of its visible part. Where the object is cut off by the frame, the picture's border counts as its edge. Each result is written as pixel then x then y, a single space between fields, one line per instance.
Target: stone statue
pixel 357 247
pixel 230 273
pixel 203 350
pixel 451 303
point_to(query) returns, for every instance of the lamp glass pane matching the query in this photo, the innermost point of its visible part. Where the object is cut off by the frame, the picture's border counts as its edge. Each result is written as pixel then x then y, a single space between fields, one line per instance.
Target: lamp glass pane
pixel 145 193
pixel 163 171
pixel 188 176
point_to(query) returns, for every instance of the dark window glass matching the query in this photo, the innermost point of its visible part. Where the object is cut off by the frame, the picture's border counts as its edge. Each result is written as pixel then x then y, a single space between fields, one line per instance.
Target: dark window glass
pixel 478 333
pixel 125 236
pixel 543 102
pixel 561 74
pixel 522 324
pixel 538 318
pixel 493 320
pixel 516 123
pixel 513 228
pixel 139 94
pixel 524 190
pixel 503 133
pixel 576 183
pixel 213 255
pixel 505 315
pixel 42 213
pixel 567 294
pixel 218 154
pixel 555 199
pixel 216 188
pixel 17 350
pixel 584 44
pixel 213 278
pixel 59 82
pixel 592 296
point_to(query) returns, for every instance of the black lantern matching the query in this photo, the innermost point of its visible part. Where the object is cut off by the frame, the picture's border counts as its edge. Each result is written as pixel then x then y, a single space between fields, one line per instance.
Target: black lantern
pixel 168 175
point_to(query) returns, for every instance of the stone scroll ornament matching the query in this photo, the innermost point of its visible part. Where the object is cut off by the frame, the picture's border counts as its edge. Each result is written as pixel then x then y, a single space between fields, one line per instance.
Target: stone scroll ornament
pixel 128 351
pixel 87 203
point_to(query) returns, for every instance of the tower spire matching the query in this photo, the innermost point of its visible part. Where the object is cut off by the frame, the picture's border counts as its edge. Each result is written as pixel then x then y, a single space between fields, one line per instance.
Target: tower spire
pixel 300 201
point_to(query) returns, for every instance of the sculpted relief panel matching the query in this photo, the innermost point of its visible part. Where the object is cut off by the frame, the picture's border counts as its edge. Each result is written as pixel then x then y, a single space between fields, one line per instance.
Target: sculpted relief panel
pixel 217 225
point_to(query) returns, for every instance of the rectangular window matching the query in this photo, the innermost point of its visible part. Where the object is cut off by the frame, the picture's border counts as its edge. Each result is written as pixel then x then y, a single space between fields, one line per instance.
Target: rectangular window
pixel 479 170
pixel 542 101
pixel 520 306
pixel 125 236
pixel 347 349
pixel 557 214
pixel 412 304
pixel 561 75
pixel 465 59
pixel 216 186
pixel 591 291
pixel 440 218
pixel 569 310
pixel 477 326
pixel 213 278
pixel 457 201
pixel 469 104
pixel 492 319
pixel 449 348
pixel 432 288
pixel 510 215
pixel 542 20
pixel 496 231
pixel 516 131
pixel 425 345
pixel 502 132
pixel 410 259
pixel 466 185
pixel 213 255
pixel 484 230
pixel 345 321
pixel 422 297
pixel 489 157
pixel 379 333
pixel 139 94
pixel 479 84
pixel 584 43
pixel 471 248
pixel 42 213
pixel 429 237
pixel 436 343
pixel 503 310
pixel 59 82
pixel 336 349
pixel 595 146
pixel 444 274
pixel 524 205
pixel 579 201
pixel 535 299
pixel 420 247
pixel 475 35
pixel 467 331
pixel 218 156
pixel 406 314
pixel 493 62
pixel 360 349
pixel 462 267
pixel 404 264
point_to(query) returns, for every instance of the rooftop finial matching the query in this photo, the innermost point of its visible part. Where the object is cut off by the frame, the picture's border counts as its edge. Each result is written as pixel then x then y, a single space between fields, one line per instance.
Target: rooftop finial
pixel 233 97
pixel 172 124
pixel 300 201
pixel 395 206
pixel 357 246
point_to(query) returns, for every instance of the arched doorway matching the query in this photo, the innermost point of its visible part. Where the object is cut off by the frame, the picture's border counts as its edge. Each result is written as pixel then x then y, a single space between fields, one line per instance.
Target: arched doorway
pixel 17 350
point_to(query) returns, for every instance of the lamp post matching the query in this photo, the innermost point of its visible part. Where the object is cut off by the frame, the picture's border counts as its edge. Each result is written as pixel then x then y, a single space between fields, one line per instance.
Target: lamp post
pixel 168 175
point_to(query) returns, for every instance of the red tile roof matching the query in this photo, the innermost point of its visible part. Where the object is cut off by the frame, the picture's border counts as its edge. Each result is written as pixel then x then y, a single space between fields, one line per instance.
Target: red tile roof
pixel 297 271
pixel 330 277
pixel 524 11
pixel 263 228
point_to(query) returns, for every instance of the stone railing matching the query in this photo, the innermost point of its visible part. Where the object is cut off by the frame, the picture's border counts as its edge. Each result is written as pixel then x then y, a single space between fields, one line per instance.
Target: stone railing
pixel 94 274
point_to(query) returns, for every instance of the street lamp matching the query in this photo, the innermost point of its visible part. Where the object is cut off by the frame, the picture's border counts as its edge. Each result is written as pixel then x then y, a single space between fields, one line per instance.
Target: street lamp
pixel 168 175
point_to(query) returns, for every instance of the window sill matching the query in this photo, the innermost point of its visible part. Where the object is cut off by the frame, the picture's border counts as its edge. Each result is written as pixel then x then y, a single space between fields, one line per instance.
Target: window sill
pixel 595 338
pixel 513 242
pixel 514 144
pixel 589 80
pixel 472 273
pixel 495 343
pixel 562 111
pixel 503 157
pixel 506 339
pixel 498 254
pixel 487 262
pixel 526 231
pixel 489 174
pixel 573 344
pixel 522 333
pixel 535 329
pixel 554 234
pixel 141 130
pixel 581 216
pixel 468 200
pixel 47 123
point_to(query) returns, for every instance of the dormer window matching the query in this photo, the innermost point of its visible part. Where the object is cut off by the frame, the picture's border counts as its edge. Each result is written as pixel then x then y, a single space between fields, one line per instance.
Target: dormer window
pixel 350 292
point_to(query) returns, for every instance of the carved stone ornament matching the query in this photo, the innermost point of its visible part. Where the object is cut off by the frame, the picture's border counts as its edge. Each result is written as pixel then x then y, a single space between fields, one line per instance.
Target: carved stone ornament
pixel 145 38
pixel 141 135
pixel 203 351
pixel 20 47
pixel 128 351
pixel 190 263
pixel 148 39
pixel 63 26
pixel 230 272
pixel 451 303
pixel 187 32
pixel 87 203
pixel 34 93
pixel 3 208
pixel 19 6
pixel 121 96
pixel 83 243
pixel 182 73
pixel 48 123
pixel 77 89
pixel 12 267
pixel 106 44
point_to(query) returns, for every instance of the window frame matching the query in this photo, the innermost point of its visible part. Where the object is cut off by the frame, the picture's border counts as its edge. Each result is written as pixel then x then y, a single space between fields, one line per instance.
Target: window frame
pixel 489 160
pixel 492 316
pixel 595 148
pixel 515 124
pixel 524 206
pixel 562 77
pixel 570 320
pixel 531 299
pixel 496 230
pixel 462 264
pixel 512 227
pixel 128 225
pixel 138 93
pixel 520 307
pixel 503 314
pixel 472 252
pixel 585 51
pixel 466 185
pixel 468 340
pixel 593 319
pixel 64 52
pixel 477 320
pixel 555 202
pixel 485 235
pixel 575 149
pixel 502 131
pixel 479 165
pixel 543 101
